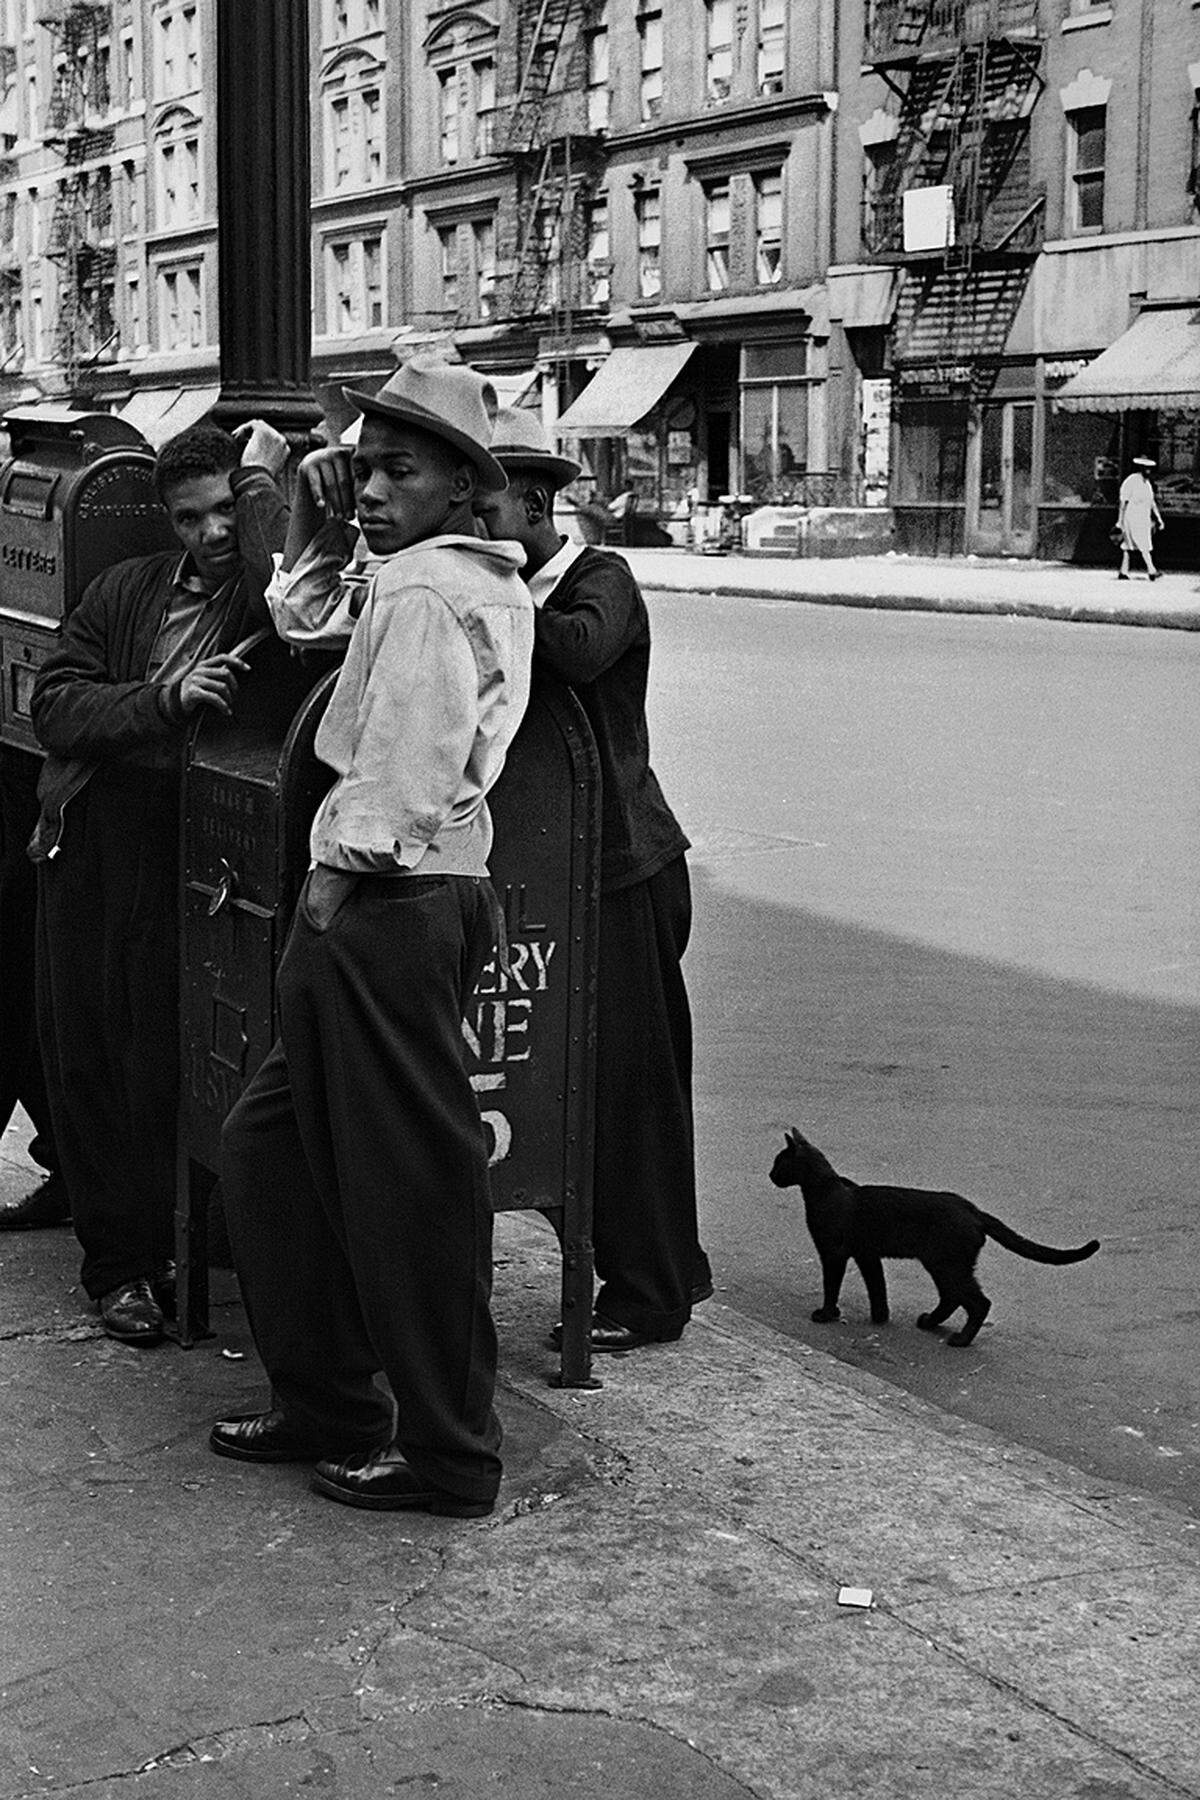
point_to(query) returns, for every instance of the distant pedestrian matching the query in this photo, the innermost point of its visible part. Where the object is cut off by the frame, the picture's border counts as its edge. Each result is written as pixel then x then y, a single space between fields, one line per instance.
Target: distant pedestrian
pixel 1138 517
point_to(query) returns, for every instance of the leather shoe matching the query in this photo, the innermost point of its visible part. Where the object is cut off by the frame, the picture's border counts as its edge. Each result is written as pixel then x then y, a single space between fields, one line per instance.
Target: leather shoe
pixel 47 1205
pixel 262 1437
pixel 384 1482
pixel 608 1337
pixel 131 1314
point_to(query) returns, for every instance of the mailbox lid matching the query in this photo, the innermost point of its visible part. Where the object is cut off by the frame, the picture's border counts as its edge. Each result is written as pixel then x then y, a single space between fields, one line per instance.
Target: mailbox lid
pixel 76 496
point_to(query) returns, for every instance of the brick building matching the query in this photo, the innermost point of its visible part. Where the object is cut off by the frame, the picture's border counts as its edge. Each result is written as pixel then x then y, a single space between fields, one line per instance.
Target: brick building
pixel 853 262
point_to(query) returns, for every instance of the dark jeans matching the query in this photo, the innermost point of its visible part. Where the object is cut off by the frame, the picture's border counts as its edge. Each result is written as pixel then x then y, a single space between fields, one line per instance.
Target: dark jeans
pixel 648 1255
pixel 354 1171
pixel 108 1018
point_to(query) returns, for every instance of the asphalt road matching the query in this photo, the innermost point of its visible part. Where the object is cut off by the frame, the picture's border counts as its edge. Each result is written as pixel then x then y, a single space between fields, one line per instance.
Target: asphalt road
pixel 946 922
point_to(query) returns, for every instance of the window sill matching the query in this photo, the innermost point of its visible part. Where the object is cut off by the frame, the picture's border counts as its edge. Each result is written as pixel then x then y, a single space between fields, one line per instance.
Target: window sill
pixel 1101 15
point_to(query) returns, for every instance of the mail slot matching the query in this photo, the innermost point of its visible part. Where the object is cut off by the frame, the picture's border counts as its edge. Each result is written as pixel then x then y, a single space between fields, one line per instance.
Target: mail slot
pixel 77 494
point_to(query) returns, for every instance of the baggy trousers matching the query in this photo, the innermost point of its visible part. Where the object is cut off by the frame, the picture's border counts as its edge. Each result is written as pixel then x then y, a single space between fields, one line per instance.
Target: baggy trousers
pixel 354 1172
pixel 108 1017
pixel 648 1255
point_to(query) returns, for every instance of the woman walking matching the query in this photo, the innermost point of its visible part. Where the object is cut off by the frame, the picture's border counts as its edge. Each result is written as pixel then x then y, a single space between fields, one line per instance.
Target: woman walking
pixel 1138 517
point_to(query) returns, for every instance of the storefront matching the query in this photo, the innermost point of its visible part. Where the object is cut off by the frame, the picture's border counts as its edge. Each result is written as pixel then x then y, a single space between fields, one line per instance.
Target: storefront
pixel 1140 397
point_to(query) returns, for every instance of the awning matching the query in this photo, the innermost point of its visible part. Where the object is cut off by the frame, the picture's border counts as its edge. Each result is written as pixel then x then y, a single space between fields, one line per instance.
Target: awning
pixel 810 304
pixel 862 297
pixel 158 413
pixel 627 385
pixel 1152 367
pixel 513 385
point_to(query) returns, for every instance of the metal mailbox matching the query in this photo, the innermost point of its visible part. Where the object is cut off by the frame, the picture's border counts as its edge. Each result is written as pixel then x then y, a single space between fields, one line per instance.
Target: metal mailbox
pixel 76 495
pixel 251 788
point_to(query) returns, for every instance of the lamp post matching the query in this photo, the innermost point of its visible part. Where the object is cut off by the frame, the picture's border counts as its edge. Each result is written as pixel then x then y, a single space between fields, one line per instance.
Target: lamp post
pixel 263 222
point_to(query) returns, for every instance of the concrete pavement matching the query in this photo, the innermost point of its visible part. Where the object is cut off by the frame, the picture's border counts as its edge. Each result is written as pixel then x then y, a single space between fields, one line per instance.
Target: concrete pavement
pixel 652 1613
pixel 932 584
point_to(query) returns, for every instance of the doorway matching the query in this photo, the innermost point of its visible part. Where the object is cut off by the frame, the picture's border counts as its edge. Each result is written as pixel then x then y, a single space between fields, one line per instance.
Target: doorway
pixel 1001 516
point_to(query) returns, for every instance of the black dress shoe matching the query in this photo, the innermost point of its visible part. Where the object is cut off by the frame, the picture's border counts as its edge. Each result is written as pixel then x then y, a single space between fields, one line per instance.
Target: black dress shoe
pixel 262 1437
pixel 384 1482
pixel 47 1205
pixel 131 1314
pixel 607 1337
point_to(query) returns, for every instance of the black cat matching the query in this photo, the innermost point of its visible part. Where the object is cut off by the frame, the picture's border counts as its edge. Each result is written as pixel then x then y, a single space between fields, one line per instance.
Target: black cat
pixel 942 1231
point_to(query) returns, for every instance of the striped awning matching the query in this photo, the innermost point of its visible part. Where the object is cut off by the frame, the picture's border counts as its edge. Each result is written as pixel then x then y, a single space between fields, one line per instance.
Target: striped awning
pixel 1152 367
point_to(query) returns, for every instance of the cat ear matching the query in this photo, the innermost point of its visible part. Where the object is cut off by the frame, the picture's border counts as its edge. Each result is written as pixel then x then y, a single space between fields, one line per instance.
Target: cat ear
pixel 793 1137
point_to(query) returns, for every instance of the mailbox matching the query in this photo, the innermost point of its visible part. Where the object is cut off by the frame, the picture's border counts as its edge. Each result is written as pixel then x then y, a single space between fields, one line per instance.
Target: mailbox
pixel 76 495
pixel 251 788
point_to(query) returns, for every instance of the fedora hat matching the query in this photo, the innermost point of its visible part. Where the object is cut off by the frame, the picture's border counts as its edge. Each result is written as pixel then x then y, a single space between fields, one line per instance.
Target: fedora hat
pixel 448 400
pixel 520 442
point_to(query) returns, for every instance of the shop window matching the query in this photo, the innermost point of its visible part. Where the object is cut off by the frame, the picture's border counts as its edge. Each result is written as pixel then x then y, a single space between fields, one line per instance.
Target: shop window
pixel 1176 444
pixel 483 236
pixel 771 45
pixel 719 78
pixel 775 394
pixel 768 229
pixel 932 444
pixel 649 230
pixel 599 286
pixel 448 267
pixel 716 200
pixel 1086 150
pixel 650 35
pixel 1080 464
pixel 597 77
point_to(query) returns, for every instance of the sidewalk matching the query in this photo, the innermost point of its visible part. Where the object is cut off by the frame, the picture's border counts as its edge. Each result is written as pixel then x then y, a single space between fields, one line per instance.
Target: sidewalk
pixel 651 1613
pixel 932 584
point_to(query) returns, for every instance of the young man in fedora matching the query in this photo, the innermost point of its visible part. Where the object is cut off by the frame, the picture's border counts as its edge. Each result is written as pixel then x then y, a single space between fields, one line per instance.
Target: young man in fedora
pixel 354 1167
pixel 592 628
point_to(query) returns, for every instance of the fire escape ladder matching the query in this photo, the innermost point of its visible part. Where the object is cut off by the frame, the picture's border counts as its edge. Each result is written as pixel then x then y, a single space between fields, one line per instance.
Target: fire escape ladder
pixel 82 217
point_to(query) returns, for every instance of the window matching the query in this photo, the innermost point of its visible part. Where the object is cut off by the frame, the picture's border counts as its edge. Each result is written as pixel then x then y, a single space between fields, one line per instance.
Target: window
pixel 37 329
pixel 880 209
pixel 483 233
pixel 771 21
pixel 32 103
pixel 448 263
pixel 448 114
pixel 178 180
pixel 768 229
pixel 650 31
pixel 774 418
pixel 135 321
pixel 354 286
pixel 599 286
pixel 177 52
pixel 180 317
pixel 716 200
pixel 483 96
pixel 35 226
pixel 597 79
pixel 133 211
pixel 354 133
pixel 128 72
pixel 1086 149
pixel 720 49
pixel 350 18
pixel 10 315
pixel 649 230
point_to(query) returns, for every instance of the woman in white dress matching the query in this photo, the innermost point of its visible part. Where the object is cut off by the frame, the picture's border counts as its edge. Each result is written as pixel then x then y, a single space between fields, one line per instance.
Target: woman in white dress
pixel 1138 517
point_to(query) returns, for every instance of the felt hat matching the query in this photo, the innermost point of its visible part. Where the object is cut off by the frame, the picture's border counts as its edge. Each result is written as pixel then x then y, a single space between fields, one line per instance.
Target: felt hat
pixel 1143 462
pixel 520 442
pixel 448 400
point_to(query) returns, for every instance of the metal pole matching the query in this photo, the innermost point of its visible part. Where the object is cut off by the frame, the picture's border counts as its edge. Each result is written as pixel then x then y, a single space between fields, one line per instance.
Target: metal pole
pixel 263 222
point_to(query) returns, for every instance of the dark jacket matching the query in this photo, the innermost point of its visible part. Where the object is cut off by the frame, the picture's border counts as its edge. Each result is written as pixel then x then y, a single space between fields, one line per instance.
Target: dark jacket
pixel 91 702
pixel 594 631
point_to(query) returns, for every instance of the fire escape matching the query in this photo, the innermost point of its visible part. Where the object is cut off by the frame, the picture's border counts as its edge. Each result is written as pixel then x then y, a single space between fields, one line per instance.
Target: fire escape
pixel 11 278
pixel 966 75
pixel 556 161
pixel 80 241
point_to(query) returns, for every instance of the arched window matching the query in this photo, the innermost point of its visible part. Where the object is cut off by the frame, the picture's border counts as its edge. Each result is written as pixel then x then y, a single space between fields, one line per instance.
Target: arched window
pixel 353 122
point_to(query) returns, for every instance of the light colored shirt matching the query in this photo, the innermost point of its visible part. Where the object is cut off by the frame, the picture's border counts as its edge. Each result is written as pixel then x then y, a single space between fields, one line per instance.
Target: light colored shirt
pixel 432 690
pixel 543 584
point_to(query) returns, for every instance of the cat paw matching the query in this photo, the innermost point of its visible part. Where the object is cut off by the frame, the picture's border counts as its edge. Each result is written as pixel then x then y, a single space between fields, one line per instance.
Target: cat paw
pixel 958 1340
pixel 878 1318
pixel 825 1315
pixel 926 1322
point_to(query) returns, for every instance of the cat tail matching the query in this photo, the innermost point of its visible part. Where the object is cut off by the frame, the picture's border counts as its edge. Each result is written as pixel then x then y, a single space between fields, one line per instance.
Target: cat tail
pixel 1023 1246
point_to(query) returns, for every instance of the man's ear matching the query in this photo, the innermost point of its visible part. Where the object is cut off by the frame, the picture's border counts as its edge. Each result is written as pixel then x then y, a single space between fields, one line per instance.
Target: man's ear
pixel 465 484
pixel 539 503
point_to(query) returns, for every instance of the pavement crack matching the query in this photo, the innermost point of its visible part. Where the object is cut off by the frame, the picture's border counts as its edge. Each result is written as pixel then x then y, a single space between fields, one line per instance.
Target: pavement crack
pixel 213 1747
pixel 566 1710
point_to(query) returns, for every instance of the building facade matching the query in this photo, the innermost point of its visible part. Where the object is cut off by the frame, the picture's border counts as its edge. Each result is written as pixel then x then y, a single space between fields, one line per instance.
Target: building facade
pixel 843 270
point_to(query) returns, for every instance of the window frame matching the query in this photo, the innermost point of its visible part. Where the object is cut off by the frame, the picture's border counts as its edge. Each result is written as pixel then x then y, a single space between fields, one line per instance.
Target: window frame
pixel 1093 174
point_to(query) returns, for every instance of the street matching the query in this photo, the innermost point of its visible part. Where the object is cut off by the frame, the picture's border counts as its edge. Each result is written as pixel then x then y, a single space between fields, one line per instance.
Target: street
pixel 946 924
